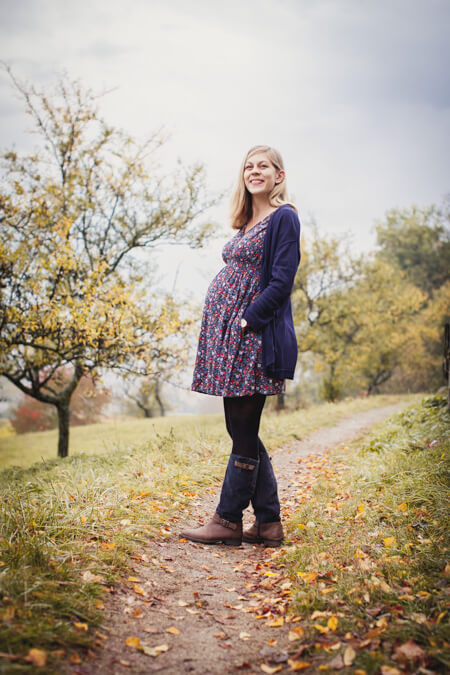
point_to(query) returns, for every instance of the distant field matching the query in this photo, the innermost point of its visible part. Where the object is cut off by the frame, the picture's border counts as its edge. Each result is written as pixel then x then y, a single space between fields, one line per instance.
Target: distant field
pixel 26 449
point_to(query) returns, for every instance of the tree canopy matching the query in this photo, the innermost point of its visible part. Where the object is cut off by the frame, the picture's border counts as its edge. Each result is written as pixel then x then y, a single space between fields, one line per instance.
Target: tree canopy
pixel 73 213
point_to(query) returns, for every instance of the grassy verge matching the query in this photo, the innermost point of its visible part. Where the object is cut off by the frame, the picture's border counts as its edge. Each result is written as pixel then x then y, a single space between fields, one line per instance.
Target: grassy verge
pixel 69 528
pixel 369 560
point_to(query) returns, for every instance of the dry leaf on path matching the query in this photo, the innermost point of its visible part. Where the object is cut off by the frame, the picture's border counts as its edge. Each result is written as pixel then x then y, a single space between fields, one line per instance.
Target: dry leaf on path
pixel 296 633
pixel 173 630
pixel 270 669
pixel 79 625
pixel 388 670
pixel 276 622
pixel 298 665
pixel 37 657
pixel 133 641
pixel 244 636
pixel 154 651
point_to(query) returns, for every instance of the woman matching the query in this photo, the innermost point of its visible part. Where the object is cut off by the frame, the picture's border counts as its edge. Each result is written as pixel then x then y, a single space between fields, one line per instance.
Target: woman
pixel 247 345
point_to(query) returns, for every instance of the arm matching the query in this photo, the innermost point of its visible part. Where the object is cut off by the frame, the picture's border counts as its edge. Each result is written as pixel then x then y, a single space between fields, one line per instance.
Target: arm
pixel 285 263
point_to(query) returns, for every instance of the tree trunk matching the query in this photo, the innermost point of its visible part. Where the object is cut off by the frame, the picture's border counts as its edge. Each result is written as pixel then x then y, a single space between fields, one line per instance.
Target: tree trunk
pixel 162 409
pixel 281 404
pixel 63 427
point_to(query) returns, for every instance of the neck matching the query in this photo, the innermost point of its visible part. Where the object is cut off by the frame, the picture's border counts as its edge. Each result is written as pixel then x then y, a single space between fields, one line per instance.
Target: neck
pixel 260 206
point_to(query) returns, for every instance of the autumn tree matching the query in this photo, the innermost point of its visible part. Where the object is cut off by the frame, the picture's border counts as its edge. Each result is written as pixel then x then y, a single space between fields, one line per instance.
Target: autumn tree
pixel 74 295
pixel 417 241
pixel 356 314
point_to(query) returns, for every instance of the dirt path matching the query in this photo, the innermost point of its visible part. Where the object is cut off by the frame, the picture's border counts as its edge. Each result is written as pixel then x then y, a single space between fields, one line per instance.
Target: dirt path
pixel 202 603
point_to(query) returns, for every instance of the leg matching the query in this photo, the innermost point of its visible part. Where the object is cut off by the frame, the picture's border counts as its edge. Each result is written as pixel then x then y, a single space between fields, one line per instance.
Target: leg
pixel 265 502
pixel 242 417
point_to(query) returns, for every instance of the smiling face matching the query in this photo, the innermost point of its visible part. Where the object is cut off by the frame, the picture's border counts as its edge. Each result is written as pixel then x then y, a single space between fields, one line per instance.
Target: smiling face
pixel 260 175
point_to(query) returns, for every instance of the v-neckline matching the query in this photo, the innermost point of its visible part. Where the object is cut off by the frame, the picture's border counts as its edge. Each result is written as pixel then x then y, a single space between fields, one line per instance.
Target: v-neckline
pixel 244 234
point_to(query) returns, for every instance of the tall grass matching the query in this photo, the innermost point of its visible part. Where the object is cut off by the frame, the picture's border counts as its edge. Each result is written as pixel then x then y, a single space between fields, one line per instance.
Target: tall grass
pixel 370 543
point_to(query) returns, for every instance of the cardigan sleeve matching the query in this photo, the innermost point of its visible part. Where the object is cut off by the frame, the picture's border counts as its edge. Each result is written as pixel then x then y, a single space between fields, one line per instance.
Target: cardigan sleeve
pixel 286 258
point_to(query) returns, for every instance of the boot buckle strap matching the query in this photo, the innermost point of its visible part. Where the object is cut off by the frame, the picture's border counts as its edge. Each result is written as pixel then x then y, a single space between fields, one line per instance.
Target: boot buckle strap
pixel 226 523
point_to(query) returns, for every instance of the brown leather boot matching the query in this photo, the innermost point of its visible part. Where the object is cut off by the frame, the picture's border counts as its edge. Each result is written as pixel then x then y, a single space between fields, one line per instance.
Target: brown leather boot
pixel 269 534
pixel 217 531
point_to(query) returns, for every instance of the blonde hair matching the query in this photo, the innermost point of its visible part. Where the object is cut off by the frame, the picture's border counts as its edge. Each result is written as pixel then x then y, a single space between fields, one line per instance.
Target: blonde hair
pixel 241 201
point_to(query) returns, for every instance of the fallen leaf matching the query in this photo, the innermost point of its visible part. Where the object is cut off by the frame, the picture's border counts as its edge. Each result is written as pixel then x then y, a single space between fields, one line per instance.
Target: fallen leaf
pixel 81 626
pixel 154 651
pixel 108 545
pixel 173 630
pixel 133 579
pixel 37 657
pixel 337 663
pixel 270 669
pixel 296 633
pixel 382 622
pixel 389 542
pixel 402 507
pixel 298 665
pixel 333 622
pixel 388 670
pixel 244 636
pixel 182 603
pixel 99 604
pixel 320 628
pixel 276 622
pixel 126 664
pixel 360 671
pixel 137 589
pixel 349 655
pixel 75 659
pixel 133 642
pixel 409 651
pixel 423 594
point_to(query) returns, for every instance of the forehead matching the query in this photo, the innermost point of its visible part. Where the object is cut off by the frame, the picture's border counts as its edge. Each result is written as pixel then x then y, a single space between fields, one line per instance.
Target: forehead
pixel 258 157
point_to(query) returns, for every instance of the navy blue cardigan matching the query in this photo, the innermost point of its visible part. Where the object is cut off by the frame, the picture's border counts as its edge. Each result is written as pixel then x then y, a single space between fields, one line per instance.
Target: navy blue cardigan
pixel 271 312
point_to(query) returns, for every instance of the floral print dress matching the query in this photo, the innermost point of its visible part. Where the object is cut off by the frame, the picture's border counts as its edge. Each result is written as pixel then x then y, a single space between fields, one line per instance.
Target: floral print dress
pixel 227 363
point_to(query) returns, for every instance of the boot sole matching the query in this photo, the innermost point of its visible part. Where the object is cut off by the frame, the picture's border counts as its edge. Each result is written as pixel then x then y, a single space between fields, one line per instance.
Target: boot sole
pixel 227 542
pixel 268 543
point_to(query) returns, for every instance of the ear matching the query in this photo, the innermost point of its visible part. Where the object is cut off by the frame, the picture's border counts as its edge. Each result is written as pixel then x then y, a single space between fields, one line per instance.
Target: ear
pixel 280 177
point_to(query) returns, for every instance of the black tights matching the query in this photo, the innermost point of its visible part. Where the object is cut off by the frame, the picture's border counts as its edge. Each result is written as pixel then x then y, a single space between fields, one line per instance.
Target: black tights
pixel 242 417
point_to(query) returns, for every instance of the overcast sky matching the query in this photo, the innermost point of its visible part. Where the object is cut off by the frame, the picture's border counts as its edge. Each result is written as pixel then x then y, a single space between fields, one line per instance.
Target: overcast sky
pixel 354 93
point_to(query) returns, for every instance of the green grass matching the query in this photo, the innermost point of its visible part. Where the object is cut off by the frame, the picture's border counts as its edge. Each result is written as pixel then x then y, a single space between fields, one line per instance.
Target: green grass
pixel 25 449
pixel 90 513
pixel 370 545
